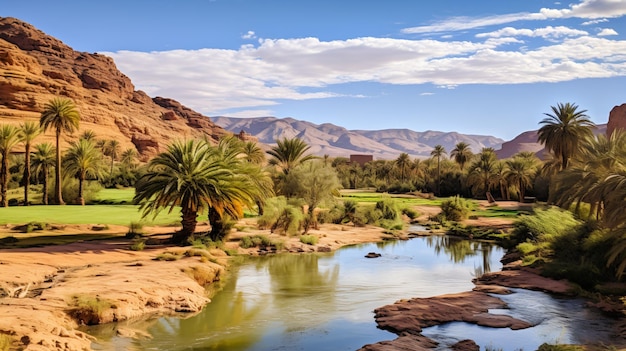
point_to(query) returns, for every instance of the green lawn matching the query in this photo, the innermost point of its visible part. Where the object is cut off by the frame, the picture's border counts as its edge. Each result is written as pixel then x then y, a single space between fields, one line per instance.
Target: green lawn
pixel 371 197
pixel 90 214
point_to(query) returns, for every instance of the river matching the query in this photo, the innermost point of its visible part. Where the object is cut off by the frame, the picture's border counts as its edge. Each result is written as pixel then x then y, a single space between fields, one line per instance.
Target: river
pixel 326 302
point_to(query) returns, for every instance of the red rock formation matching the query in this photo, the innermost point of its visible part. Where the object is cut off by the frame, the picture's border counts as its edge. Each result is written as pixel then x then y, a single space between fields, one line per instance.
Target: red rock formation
pixel 617 119
pixel 35 67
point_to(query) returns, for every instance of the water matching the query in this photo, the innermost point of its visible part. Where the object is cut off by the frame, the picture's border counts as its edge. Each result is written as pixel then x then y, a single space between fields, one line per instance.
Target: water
pixel 326 301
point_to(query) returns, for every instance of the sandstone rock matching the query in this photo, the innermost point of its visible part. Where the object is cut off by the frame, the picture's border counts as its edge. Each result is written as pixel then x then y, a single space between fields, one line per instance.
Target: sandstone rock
pixel 36 68
pixel 617 119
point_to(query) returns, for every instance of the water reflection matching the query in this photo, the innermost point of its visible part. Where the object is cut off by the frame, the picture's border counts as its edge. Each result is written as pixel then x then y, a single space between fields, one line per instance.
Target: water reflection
pixel 317 301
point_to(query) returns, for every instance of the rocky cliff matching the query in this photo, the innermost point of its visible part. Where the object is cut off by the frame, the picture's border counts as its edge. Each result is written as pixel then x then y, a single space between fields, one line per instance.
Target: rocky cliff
pixel 35 67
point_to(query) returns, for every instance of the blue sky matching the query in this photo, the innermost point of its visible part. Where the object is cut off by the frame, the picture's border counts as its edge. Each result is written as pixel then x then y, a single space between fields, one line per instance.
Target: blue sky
pixel 478 67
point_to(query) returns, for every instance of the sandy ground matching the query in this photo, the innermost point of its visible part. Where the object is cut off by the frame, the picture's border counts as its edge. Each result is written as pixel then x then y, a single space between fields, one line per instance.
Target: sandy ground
pixel 41 287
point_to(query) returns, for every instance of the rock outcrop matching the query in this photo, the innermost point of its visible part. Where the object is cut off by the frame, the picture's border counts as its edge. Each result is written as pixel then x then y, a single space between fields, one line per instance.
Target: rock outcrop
pixel 35 67
pixel 617 119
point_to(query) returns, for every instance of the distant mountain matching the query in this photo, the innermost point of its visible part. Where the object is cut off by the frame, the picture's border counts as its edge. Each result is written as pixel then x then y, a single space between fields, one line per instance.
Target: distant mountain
pixel 336 141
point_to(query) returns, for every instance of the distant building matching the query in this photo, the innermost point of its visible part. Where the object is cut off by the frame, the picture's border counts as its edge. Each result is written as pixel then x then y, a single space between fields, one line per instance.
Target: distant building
pixel 361 159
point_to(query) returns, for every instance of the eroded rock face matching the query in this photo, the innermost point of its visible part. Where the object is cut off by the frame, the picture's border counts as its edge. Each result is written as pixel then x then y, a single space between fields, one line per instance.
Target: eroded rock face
pixel 35 67
pixel 617 119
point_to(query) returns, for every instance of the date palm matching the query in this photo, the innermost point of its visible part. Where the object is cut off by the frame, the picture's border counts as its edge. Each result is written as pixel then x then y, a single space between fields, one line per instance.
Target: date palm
pixel 61 115
pixel 438 152
pixel 462 154
pixel 563 130
pixel 403 162
pixel 112 149
pixel 28 132
pixel 519 172
pixel 482 172
pixel 253 153
pixel 82 159
pixel 43 160
pixel 9 138
pixel 288 153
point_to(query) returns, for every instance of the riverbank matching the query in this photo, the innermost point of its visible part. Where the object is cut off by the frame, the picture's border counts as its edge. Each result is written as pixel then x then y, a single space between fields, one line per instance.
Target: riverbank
pixel 47 292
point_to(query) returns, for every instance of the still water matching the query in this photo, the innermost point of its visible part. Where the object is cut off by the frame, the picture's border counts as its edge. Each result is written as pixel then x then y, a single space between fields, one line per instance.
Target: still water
pixel 326 301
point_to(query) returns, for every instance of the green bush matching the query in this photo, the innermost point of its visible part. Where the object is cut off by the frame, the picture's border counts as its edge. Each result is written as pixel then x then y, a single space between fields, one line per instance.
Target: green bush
pixel 138 246
pixel 387 209
pixel 309 239
pixel 134 229
pixel 456 208
pixel 258 240
pixel 282 216
pixel 70 190
pixel 411 213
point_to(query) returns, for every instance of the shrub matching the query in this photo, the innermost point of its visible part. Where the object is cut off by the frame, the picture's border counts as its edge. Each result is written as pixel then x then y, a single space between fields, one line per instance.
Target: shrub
pixel 309 239
pixel 88 309
pixel 411 213
pixel 138 245
pixel 544 224
pixel 70 190
pixel 134 229
pixel 282 216
pixel 456 208
pixel 387 208
pixel 167 256
pixel 203 275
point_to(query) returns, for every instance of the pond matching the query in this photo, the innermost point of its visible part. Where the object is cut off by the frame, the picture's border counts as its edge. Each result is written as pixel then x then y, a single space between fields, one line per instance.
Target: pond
pixel 326 301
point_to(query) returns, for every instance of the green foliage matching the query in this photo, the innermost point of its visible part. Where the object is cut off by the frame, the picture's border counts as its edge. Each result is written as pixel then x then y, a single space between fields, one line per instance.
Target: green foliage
pixel 282 216
pixel 70 190
pixel 547 224
pixel 548 347
pixel 411 213
pixel 260 241
pixel 138 245
pixel 134 229
pixel 309 239
pixel 87 309
pixel 167 256
pixel 388 209
pixel 456 208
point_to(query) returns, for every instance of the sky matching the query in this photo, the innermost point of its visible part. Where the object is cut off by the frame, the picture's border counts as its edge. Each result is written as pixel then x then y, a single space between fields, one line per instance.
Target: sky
pixel 487 67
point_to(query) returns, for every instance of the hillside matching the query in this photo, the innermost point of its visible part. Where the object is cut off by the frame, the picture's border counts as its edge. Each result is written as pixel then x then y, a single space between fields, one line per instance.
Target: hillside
pixel 332 140
pixel 35 67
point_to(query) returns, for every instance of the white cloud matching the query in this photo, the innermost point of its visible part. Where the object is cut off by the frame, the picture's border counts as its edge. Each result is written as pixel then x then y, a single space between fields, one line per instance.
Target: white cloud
pixel 601 20
pixel 606 32
pixel 253 77
pixel 546 32
pixel 427 94
pixel 592 9
pixel 249 35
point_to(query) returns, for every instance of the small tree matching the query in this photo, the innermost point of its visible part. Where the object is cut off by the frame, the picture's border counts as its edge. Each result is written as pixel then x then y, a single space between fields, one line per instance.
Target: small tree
pixel 28 132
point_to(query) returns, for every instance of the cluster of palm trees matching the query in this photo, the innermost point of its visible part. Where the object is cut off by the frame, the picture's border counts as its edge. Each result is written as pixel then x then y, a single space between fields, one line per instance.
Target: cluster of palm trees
pixel 82 160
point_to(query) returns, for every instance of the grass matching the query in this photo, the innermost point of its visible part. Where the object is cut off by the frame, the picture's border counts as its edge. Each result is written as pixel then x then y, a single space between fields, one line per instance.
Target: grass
pixel 26 240
pixel 496 212
pixel 88 309
pixel 309 239
pixel 91 214
pixel 373 197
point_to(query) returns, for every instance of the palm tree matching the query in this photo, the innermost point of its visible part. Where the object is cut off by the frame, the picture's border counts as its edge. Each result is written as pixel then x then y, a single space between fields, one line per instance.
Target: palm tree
pixel 112 149
pixel 461 154
pixel 437 152
pixel 9 137
pixel 482 171
pixel 519 172
pixel 288 153
pixel 403 162
pixel 61 115
pixel 43 159
pixel 128 158
pixel 197 177
pixel 253 153
pixel 82 160
pixel 563 130
pixel 89 135
pixel 29 131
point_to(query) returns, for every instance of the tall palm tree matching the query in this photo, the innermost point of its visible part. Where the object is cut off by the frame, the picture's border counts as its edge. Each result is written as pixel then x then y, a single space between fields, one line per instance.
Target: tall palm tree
pixel 462 154
pixel 82 160
pixel 61 115
pixel 43 160
pixel 128 157
pixel 112 149
pixel 563 130
pixel 288 153
pixel 403 162
pixel 29 131
pixel 519 171
pixel 483 169
pixel 9 137
pixel 438 152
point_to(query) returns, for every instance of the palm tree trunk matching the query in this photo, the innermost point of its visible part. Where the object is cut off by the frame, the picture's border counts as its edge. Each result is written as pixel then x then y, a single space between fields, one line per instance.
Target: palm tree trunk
pixel 45 185
pixel 188 222
pixel 81 199
pixel 217 225
pixel 58 195
pixel 522 191
pixel 4 178
pixel 26 173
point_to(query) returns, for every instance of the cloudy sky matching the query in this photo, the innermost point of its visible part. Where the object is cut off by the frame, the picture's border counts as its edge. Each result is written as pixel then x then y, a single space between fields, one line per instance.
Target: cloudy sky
pixel 478 67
